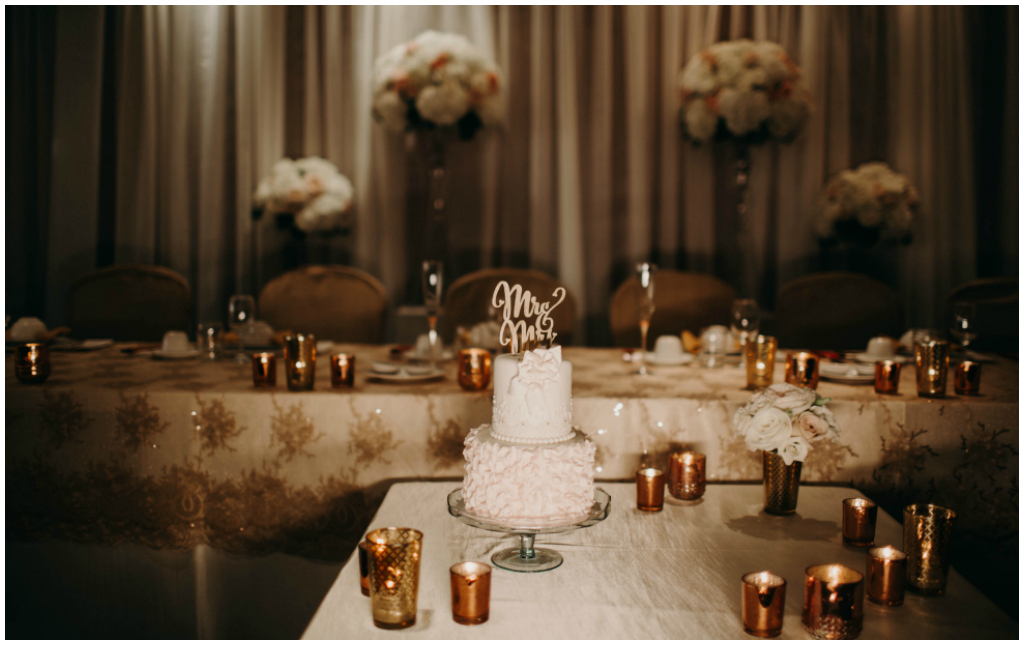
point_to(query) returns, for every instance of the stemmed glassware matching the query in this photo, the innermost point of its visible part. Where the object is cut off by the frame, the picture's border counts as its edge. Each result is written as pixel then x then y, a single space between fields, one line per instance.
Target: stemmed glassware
pixel 433 271
pixel 241 312
pixel 746 320
pixel 645 308
pixel 964 327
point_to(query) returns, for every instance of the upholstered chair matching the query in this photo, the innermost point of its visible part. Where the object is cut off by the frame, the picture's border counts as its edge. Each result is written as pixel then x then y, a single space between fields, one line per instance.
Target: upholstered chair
pixel 996 303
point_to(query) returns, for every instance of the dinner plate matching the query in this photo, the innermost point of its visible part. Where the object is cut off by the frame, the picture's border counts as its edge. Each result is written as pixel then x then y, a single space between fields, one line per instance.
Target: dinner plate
pixel 415 357
pixel 864 357
pixel 89 345
pixel 404 377
pixel 682 359
pixel 849 373
pixel 175 356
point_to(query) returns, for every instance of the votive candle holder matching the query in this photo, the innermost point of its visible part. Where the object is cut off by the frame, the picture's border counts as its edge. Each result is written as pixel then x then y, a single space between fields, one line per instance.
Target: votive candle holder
pixel 686 475
pixel 343 370
pixel 363 553
pixel 760 357
pixel 932 361
pixel 300 361
pixel 887 377
pixel 471 592
pixel 967 378
pixel 764 601
pixel 474 369
pixel 394 567
pixel 802 369
pixel 833 602
pixel 927 538
pixel 264 369
pixel 650 489
pixel 859 516
pixel 887 575
pixel 32 363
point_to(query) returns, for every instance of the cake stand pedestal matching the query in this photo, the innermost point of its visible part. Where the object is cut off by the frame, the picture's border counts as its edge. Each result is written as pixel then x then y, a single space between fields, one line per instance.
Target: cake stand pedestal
pixel 526 558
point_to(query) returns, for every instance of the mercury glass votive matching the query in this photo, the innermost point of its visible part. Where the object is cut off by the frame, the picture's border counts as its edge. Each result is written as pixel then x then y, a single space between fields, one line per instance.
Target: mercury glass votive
pixel 859 517
pixel 300 361
pixel 802 369
pixel 887 574
pixel 474 369
pixel 932 361
pixel 650 489
pixel 967 378
pixel 471 592
pixel 887 377
pixel 686 475
pixel 264 369
pixel 927 537
pixel 764 600
pixel 833 602
pixel 394 567
pixel 343 370
pixel 760 357
pixel 363 554
pixel 32 363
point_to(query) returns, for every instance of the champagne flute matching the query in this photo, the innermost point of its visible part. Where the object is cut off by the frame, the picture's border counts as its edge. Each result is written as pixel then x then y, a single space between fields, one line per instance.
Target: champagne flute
pixel 241 312
pixel 433 271
pixel 746 320
pixel 645 308
pixel 964 327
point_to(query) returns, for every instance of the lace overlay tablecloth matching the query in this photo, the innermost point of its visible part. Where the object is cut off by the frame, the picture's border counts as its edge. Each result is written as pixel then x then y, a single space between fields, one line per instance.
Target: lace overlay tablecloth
pixel 173 454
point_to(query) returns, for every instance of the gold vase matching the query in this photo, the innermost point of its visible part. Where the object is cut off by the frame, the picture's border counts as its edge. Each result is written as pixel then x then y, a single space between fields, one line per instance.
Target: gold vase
pixel 781 484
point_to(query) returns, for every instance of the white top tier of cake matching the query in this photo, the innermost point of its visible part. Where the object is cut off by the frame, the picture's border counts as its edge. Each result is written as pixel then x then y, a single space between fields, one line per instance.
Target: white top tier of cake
pixel 533 397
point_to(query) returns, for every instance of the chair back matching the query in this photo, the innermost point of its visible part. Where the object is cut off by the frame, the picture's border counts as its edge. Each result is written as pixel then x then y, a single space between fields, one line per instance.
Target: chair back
pixel 836 310
pixel 468 300
pixel 333 302
pixel 997 312
pixel 683 300
pixel 130 302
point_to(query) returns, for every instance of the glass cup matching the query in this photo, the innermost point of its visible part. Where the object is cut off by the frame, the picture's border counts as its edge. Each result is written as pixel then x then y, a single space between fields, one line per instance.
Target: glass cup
pixel 471 592
pixel 209 340
pixel 644 308
pixel 764 600
pixel 802 369
pixel 241 312
pixel 686 475
pixel 300 361
pixel 887 377
pixel 32 363
pixel 927 538
pixel 650 489
pixel 343 370
pixel 474 369
pixel 965 323
pixel 859 516
pixel 394 566
pixel 714 344
pixel 932 361
pixel 887 574
pixel 833 601
pixel 264 369
pixel 760 355
pixel 433 283
pixel 967 378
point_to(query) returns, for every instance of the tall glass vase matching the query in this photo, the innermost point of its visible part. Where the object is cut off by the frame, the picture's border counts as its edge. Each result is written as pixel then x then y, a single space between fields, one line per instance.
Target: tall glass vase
pixel 432 146
pixel 781 484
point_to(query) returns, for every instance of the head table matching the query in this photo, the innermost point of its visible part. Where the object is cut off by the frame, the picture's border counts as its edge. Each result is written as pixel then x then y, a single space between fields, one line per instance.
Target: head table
pixel 673 574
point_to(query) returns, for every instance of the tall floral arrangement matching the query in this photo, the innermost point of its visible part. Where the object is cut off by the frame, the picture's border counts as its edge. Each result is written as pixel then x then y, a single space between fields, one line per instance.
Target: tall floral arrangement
pixel 866 205
pixel 785 419
pixel 312 189
pixel 745 90
pixel 437 80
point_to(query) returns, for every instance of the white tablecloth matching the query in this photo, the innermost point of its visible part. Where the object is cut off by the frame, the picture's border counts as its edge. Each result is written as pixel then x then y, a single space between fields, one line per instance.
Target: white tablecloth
pixel 674 574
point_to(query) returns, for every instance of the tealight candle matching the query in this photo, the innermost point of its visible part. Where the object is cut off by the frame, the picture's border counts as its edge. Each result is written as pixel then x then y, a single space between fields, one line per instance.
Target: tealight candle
pixel 802 369
pixel 686 475
pixel 300 361
pixel 932 361
pixel 887 377
pixel 650 489
pixel 833 601
pixel 760 356
pixel 264 369
pixel 471 592
pixel 364 567
pixel 764 598
pixel 859 517
pixel 394 567
pixel 887 573
pixel 927 538
pixel 967 378
pixel 343 370
pixel 32 363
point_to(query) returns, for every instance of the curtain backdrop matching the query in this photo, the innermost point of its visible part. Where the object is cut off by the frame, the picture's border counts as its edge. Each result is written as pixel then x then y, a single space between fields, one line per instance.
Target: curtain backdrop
pixel 142 132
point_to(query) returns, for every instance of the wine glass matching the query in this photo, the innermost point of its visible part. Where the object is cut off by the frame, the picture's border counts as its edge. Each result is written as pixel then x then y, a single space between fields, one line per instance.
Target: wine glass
pixel 964 327
pixel 645 308
pixel 241 312
pixel 746 320
pixel 433 271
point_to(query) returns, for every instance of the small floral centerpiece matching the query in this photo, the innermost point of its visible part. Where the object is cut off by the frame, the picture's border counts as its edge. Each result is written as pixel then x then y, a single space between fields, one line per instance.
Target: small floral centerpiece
pixel 743 90
pixel 867 205
pixel 437 80
pixel 311 189
pixel 785 419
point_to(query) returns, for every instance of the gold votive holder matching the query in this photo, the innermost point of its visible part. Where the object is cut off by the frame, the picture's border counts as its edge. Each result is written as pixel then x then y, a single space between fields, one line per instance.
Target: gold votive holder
pixel 32 362
pixel 932 361
pixel 764 599
pixel 802 369
pixel 264 369
pixel 363 553
pixel 859 517
pixel 760 358
pixel 471 592
pixel 474 369
pixel 833 602
pixel 686 475
pixel 967 378
pixel 394 567
pixel 650 489
pixel 300 361
pixel 927 537
pixel 343 370
pixel 887 377
pixel 887 574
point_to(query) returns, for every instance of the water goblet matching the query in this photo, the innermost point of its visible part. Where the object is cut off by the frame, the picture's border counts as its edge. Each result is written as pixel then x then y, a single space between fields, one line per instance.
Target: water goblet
pixel 433 279
pixel 746 320
pixel 645 308
pixel 965 321
pixel 241 312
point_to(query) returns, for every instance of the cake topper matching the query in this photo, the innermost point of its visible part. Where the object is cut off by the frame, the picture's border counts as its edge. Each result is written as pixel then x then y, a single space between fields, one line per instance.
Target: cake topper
pixel 515 302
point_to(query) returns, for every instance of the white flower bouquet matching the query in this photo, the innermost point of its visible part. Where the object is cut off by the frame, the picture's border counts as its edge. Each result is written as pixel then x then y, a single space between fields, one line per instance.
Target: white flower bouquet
pixel 785 419
pixel 868 204
pixel 312 189
pixel 745 90
pixel 437 80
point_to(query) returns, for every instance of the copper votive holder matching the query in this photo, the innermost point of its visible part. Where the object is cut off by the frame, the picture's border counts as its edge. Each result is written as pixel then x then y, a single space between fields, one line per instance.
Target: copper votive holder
pixel 362 552
pixel 650 489
pixel 887 377
pixel 32 362
pixel 764 599
pixel 833 602
pixel 300 361
pixel 887 573
pixel 686 475
pixel 927 537
pixel 932 361
pixel 264 369
pixel 859 517
pixel 471 592
pixel 474 369
pixel 967 378
pixel 343 370
pixel 760 357
pixel 394 567
pixel 802 369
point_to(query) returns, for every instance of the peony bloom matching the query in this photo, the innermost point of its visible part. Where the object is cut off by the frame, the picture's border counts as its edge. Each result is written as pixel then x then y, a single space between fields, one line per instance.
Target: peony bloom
pixel 768 429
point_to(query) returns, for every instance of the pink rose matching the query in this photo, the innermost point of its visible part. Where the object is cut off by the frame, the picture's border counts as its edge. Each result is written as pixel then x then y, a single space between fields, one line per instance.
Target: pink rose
pixel 811 426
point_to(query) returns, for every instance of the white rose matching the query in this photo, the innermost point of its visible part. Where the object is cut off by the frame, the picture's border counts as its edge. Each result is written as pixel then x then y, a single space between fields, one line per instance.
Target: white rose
pixel 391 109
pixel 768 429
pixel 743 111
pixel 701 121
pixel 829 418
pixel 698 76
pixel 794 449
pixel 788 117
pixel 443 104
pixel 793 398
pixel 759 401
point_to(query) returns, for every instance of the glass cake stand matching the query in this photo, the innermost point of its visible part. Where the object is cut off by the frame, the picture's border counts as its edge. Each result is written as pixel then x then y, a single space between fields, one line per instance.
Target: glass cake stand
pixel 525 558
